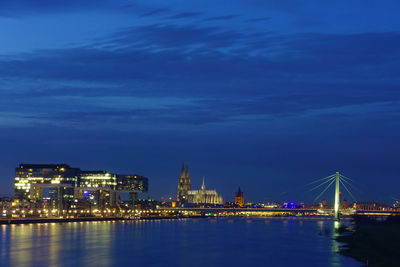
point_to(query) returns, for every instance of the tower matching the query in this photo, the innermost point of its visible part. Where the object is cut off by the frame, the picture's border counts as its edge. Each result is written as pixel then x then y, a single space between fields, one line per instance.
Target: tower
pixel 239 198
pixel 337 196
pixel 184 184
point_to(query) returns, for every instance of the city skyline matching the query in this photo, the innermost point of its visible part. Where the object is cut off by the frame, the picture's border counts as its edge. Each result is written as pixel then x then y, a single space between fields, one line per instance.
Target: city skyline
pixel 258 94
pixel 185 192
pixel 199 133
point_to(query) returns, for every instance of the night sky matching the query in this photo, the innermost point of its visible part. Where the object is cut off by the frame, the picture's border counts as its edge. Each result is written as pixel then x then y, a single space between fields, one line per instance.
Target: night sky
pixel 265 95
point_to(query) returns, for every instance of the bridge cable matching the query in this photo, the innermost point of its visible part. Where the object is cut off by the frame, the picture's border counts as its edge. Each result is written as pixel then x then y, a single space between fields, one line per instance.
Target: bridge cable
pixel 348 190
pixel 346 181
pixel 324 190
pixel 304 186
pixel 342 176
pixel 327 181
pixel 316 181
pixel 353 186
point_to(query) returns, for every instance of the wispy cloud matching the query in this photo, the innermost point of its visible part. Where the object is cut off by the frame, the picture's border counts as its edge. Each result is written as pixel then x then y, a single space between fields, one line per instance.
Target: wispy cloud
pixel 20 8
pixel 185 15
pixel 227 17
pixel 155 12
pixel 227 75
pixel 258 19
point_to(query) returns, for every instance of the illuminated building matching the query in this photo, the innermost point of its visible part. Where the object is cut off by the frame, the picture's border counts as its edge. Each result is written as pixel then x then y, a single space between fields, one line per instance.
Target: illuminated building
pixel 371 206
pixel 239 198
pixel 31 179
pixel 133 184
pixel 345 204
pixel 97 187
pixel 49 185
pixel 58 186
pixel 184 184
pixel 103 188
pixel 292 205
pixel 5 205
pixel 97 179
pixel 204 196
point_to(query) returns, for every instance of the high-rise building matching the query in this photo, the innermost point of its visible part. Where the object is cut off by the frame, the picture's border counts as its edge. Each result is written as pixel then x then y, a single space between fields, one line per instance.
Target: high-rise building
pixel 239 198
pixel 184 184
pixel 96 179
pixel 31 179
pixel 133 184
pixel 58 185
pixel 97 187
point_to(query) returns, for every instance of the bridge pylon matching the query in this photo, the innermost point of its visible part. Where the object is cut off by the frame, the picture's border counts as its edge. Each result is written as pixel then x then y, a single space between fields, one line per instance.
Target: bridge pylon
pixel 338 179
pixel 337 196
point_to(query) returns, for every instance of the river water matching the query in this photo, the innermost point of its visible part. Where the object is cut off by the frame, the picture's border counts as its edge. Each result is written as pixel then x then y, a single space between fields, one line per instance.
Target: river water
pixel 297 241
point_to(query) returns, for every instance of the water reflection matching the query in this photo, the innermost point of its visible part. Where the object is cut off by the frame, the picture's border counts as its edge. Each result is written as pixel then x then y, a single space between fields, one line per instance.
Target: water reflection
pixel 55 244
pixel 335 246
pixel 210 242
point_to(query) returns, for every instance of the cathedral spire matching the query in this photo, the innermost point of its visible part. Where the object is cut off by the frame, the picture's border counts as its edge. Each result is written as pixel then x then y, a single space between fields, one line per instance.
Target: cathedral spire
pixel 203 186
pixel 183 170
pixel 187 171
pixel 184 184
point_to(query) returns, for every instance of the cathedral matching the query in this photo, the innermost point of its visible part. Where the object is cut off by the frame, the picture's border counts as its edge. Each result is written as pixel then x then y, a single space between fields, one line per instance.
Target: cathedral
pixel 184 185
pixel 202 196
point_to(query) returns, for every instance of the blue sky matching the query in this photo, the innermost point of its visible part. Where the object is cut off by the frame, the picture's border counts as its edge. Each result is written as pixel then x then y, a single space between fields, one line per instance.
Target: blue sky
pixel 267 95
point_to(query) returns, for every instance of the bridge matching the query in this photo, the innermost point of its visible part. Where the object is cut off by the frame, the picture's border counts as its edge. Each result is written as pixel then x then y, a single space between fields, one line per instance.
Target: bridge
pixel 216 210
pixel 336 179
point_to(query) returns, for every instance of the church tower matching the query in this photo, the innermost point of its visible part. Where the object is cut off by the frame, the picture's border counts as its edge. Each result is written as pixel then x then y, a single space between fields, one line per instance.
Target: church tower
pixel 184 184
pixel 239 198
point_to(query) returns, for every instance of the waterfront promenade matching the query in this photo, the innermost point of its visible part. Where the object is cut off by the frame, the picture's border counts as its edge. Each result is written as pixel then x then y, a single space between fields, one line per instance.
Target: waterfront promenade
pixel 176 213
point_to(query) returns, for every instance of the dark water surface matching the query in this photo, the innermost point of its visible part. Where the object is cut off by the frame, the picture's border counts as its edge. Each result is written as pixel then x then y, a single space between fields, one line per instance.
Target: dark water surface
pixel 299 241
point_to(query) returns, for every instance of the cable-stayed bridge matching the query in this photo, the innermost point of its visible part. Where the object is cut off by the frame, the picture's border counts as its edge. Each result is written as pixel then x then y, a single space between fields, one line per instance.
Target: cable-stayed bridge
pixel 304 211
pixel 337 180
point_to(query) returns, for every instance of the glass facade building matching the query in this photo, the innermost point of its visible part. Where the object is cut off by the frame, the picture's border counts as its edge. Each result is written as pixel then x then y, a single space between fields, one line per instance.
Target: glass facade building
pixel 97 179
pixel 132 183
pixel 59 183
pixel 30 179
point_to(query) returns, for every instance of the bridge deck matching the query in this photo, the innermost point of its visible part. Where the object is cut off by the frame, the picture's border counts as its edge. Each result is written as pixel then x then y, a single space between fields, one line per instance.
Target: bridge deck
pixel 219 210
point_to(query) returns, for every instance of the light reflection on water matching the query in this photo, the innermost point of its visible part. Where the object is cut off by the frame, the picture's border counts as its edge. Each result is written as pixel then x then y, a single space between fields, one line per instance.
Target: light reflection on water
pixel 298 241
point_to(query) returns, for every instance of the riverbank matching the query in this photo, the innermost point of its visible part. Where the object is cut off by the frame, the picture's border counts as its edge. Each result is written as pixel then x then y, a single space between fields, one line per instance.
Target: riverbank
pixel 8 221
pixel 371 241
